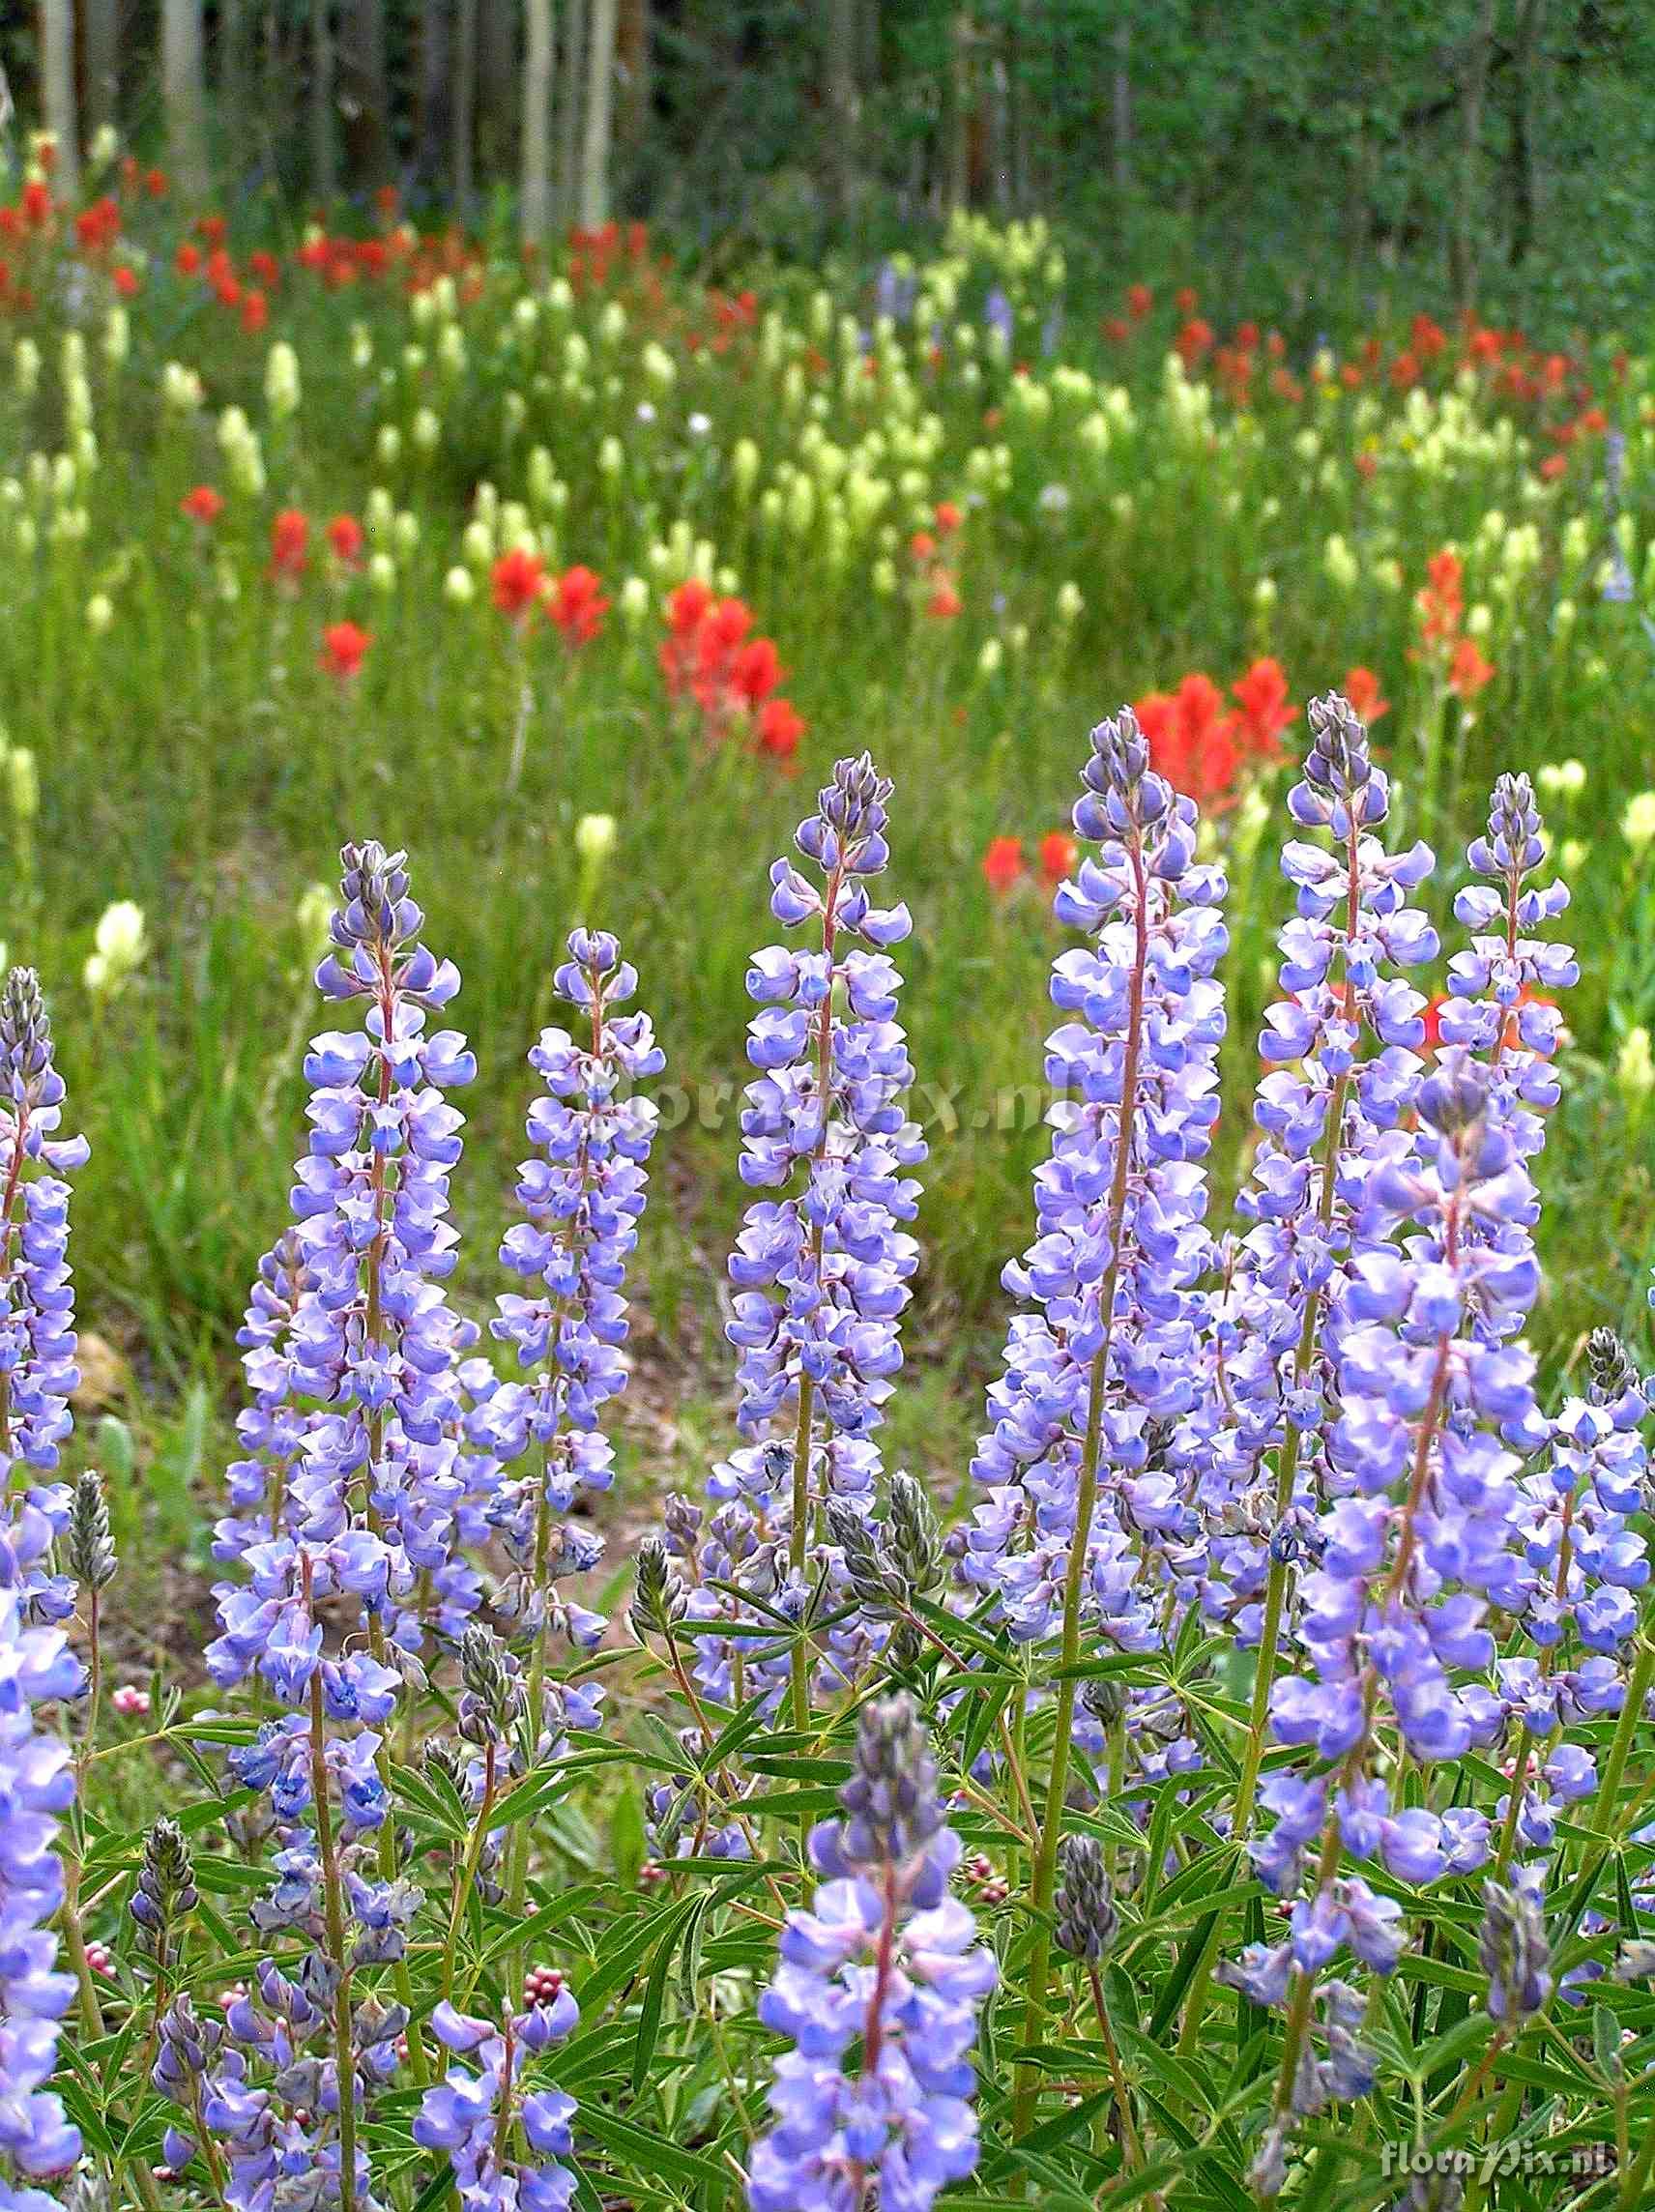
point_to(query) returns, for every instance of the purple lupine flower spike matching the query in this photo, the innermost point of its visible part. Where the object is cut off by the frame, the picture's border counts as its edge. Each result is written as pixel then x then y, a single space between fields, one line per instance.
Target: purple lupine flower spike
pixel 1111 1280
pixel 37 1299
pixel 821 1271
pixel 885 1954
pixel 353 1346
pixel 37 1786
pixel 1342 1044
pixel 582 1196
pixel 496 2091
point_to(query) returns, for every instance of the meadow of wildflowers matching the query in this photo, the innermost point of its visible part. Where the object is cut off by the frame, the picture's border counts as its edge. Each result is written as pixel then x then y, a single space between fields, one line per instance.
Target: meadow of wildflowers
pixel 614 1738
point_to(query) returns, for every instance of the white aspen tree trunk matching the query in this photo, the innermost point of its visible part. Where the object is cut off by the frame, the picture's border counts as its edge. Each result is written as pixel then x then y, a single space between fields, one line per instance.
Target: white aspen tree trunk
pixel 599 107
pixel 57 91
pixel 572 81
pixel 184 96
pixel 534 192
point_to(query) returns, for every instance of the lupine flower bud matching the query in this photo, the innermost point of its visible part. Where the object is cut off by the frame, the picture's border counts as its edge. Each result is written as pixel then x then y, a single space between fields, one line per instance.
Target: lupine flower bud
pixel 1514 1952
pixel 1610 1366
pixel 891 1796
pixel 658 1601
pixel 876 1582
pixel 1088 1922
pixel 493 1697
pixel 166 1893
pixel 90 1547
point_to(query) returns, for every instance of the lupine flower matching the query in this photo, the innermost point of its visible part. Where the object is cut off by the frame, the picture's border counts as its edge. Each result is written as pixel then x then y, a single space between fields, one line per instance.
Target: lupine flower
pixel 582 1194
pixel 355 1343
pixel 1341 1047
pixel 1104 1350
pixel 821 1270
pixel 1088 1922
pixel 820 1275
pixel 476 2112
pixel 1513 1952
pixel 37 1306
pixel 37 1785
pixel 885 1955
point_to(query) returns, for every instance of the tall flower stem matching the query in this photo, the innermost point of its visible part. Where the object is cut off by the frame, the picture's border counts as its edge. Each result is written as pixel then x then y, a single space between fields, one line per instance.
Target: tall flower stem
pixel 334 1910
pixel 798 1535
pixel 1287 1481
pixel 468 1871
pixel 1044 1885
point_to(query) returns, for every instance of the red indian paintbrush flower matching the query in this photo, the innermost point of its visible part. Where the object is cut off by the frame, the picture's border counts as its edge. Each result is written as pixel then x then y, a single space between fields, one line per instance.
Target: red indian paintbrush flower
pixel 344 534
pixel 518 579
pixel 289 536
pixel 576 604
pixel 344 644
pixel 1002 864
pixel 203 504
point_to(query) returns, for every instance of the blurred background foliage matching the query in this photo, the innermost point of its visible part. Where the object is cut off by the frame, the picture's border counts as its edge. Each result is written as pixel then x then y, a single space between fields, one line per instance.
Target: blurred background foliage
pixel 1495 149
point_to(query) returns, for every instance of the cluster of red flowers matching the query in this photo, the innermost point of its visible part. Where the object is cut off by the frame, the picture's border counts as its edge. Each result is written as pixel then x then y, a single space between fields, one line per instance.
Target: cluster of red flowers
pixel 210 260
pixel 573 603
pixel 597 255
pixel 1440 604
pixel 1004 866
pixel 709 657
pixel 31 227
pixel 1516 370
pixel 942 598
pixel 1205 746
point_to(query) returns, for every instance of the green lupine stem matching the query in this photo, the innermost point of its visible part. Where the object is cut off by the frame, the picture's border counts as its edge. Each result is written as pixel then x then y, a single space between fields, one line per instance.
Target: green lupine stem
pixel 1043 1886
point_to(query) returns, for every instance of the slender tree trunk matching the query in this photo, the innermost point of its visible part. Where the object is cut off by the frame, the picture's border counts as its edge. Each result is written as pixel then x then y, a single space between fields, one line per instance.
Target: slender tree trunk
pixel 498 95
pixel 600 104
pixel 1120 105
pixel 431 157
pixel 839 75
pixel 364 94
pixel 57 91
pixel 572 80
pixel 535 193
pixel 185 98
pixel 959 170
pixel 1462 238
pixel 324 162
pixel 101 26
pixel 465 104
pixel 1523 193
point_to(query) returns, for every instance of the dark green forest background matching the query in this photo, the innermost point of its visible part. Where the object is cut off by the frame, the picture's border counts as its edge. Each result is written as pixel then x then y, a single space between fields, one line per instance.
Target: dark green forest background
pixel 1306 158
